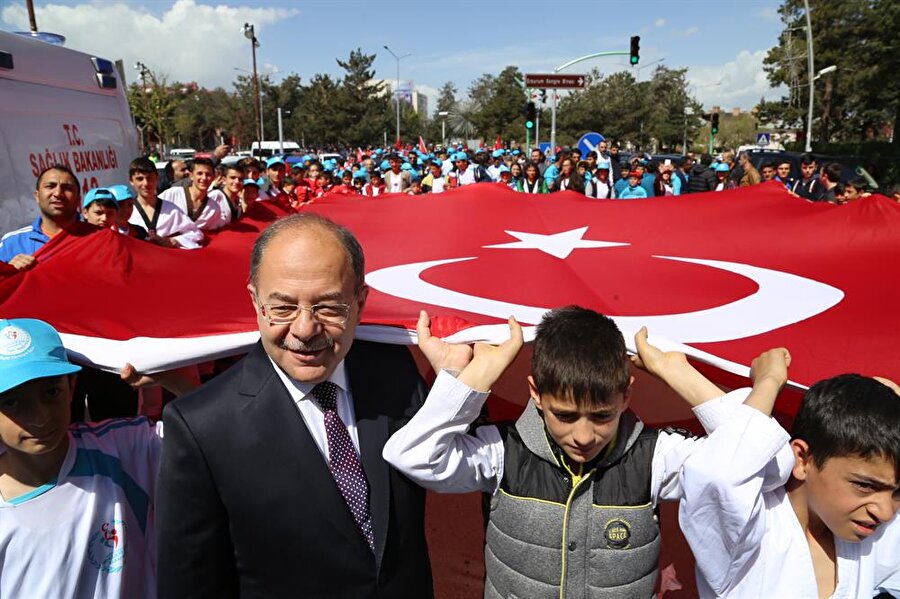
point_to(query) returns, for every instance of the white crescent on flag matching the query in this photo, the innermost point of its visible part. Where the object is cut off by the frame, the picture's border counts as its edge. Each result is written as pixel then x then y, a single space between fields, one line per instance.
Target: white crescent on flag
pixel 722 276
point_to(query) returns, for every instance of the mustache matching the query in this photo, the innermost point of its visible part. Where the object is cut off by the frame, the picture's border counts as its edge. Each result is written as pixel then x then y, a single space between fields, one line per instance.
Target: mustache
pixel 314 345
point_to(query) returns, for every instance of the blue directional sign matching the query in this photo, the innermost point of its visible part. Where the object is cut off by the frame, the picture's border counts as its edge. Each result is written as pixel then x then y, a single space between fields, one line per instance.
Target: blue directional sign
pixel 589 142
pixel 545 147
pixel 763 139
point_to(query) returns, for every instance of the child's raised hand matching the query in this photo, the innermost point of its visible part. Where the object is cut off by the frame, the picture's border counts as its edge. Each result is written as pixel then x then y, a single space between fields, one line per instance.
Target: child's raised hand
pixel 772 365
pixel 654 360
pixel 491 361
pixel 440 354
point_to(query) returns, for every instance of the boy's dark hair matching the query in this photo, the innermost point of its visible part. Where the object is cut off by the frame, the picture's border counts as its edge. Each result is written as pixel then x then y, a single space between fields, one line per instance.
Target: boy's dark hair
pixel 57 167
pixel 807 159
pixel 203 162
pixel 767 164
pixel 832 170
pixel 705 159
pixel 859 184
pixel 850 415
pixel 579 353
pixel 141 165
pixel 247 161
pixel 234 167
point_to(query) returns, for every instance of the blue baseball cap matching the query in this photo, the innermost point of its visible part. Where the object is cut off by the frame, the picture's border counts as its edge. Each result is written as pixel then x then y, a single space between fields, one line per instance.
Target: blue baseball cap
pixel 460 156
pixel 722 167
pixel 122 192
pixel 250 182
pixel 274 160
pixel 497 153
pixel 30 349
pixel 98 193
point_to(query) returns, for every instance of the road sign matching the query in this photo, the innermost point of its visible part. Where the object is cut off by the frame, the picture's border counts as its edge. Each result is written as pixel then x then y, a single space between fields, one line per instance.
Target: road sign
pixel 763 139
pixel 545 147
pixel 589 142
pixel 554 81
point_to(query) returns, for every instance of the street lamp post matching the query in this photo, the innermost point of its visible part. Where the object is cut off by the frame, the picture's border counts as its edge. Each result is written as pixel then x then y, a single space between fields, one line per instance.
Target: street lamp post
pixel 443 114
pixel 397 89
pixel 250 34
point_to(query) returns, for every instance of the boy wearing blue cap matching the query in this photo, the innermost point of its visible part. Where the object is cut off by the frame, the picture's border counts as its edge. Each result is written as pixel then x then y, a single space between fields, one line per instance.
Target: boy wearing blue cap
pixel 99 207
pixel 125 198
pixel 76 502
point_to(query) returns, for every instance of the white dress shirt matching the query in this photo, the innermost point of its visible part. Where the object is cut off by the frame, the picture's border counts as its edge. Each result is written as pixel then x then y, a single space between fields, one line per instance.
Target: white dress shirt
pixel 312 414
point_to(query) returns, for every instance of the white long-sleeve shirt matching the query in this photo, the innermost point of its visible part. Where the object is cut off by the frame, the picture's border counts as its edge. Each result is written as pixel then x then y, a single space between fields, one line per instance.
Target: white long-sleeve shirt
pixel 435 450
pixel 739 522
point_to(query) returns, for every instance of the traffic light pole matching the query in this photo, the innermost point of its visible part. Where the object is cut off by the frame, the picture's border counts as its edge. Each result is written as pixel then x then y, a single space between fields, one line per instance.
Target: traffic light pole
pixel 553 100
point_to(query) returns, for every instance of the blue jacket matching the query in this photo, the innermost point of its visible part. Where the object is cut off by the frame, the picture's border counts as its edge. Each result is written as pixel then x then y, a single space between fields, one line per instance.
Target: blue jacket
pixel 630 193
pixel 26 240
pixel 620 186
pixel 647 183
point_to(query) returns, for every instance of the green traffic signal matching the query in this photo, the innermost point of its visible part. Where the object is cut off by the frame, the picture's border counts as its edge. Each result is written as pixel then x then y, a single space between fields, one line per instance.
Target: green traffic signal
pixel 635 49
pixel 529 124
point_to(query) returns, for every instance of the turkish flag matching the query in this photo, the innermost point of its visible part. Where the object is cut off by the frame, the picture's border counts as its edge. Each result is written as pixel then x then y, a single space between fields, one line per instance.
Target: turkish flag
pixel 723 276
pixel 498 143
pixel 422 148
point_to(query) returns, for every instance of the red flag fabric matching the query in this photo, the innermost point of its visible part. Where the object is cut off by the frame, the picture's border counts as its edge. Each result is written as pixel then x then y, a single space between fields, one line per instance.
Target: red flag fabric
pixel 725 275
pixel 498 143
pixel 422 147
pixel 398 145
pixel 359 154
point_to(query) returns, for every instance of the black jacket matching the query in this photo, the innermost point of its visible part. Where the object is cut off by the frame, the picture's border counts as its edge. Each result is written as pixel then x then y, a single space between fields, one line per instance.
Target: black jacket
pixel 246 505
pixel 702 179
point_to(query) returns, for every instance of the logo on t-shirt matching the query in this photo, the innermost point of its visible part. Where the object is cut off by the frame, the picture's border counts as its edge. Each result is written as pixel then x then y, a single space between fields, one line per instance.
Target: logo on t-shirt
pixel 14 342
pixel 106 547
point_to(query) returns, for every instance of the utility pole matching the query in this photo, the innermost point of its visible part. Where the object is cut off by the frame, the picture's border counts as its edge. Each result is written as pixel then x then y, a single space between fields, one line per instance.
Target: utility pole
pixel 397 89
pixel 809 54
pixel 250 34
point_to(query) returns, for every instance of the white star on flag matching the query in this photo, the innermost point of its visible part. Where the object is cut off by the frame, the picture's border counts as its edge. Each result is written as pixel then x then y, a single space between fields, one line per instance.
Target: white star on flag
pixel 559 245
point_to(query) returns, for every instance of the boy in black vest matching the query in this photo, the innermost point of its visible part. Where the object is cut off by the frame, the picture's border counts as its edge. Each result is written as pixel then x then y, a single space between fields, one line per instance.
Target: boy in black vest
pixel 574 484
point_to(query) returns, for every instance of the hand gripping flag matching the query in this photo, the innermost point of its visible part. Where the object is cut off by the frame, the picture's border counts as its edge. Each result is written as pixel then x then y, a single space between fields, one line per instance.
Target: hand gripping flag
pixel 722 276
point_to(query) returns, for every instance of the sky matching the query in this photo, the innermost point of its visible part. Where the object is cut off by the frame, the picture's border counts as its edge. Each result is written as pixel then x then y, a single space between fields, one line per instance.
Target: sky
pixel 721 43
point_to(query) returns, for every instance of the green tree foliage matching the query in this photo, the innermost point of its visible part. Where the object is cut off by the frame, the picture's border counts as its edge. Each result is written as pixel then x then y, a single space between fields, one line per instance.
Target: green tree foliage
pixel 861 100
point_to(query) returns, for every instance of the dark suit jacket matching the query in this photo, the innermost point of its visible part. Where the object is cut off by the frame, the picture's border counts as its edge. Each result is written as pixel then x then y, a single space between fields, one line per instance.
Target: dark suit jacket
pixel 246 505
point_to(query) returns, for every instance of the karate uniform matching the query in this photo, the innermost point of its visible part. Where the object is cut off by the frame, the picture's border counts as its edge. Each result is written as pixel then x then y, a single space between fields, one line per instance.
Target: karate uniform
pixel 739 522
pixel 214 214
pixel 169 221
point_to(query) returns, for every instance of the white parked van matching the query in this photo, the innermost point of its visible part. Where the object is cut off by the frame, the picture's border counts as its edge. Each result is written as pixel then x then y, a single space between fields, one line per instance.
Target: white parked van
pixel 58 106
pixel 267 149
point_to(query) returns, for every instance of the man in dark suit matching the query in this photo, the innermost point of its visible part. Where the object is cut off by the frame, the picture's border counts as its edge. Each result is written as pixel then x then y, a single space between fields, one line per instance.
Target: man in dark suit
pixel 272 482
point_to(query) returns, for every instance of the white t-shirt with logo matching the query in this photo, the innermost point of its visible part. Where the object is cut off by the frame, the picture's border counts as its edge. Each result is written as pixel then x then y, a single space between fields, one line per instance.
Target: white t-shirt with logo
pixel 89 533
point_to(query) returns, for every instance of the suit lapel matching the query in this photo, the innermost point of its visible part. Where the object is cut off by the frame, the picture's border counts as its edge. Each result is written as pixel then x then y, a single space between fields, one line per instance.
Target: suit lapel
pixel 288 441
pixel 372 429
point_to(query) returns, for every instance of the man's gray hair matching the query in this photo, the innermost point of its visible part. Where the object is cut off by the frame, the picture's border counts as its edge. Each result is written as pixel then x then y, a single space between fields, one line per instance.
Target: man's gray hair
pixel 355 257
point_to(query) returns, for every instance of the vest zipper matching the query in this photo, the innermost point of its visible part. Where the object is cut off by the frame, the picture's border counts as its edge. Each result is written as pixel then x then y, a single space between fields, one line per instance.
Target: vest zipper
pixel 578 480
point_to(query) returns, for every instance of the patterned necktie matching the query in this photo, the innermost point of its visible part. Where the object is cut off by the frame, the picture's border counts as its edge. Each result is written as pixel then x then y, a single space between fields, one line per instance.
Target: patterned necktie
pixel 343 461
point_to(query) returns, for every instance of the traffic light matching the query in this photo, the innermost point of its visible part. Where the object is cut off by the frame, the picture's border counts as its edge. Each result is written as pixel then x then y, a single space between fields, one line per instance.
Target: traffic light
pixel 530 115
pixel 635 49
pixel 715 123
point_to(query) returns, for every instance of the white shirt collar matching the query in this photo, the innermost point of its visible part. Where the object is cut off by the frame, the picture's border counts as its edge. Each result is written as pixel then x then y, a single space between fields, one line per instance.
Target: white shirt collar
pixel 300 390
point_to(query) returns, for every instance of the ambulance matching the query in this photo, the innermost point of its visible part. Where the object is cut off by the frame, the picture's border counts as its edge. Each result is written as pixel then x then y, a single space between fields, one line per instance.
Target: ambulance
pixel 58 106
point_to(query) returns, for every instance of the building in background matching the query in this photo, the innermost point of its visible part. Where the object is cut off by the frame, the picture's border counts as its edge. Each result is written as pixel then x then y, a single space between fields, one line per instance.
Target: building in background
pixel 408 93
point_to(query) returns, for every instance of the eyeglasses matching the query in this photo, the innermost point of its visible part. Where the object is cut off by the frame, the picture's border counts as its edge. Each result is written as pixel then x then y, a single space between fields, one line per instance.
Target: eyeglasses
pixel 327 314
